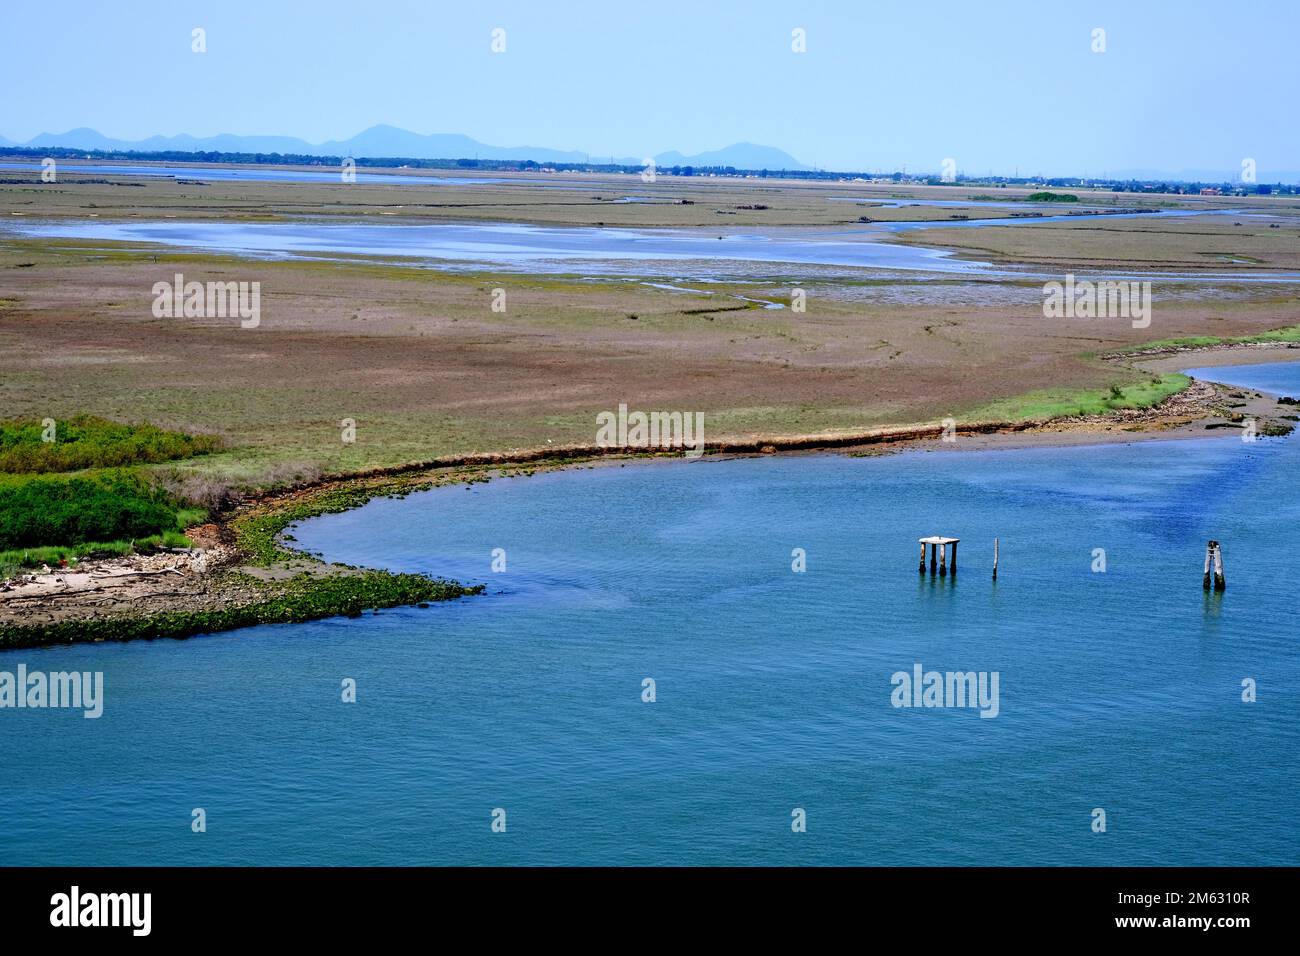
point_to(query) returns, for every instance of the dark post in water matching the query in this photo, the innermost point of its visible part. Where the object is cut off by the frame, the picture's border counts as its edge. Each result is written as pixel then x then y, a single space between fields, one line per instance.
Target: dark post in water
pixel 1213 553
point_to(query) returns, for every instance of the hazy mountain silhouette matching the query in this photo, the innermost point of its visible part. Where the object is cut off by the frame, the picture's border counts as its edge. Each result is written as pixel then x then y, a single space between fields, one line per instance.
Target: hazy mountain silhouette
pixel 390 141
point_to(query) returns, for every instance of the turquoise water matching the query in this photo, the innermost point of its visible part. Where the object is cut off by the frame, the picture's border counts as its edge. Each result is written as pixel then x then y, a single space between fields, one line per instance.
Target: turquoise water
pixel 1119 690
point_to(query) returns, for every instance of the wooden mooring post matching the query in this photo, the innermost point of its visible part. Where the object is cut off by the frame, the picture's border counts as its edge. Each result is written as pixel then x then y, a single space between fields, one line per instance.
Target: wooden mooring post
pixel 995 559
pixel 1214 555
pixel 938 555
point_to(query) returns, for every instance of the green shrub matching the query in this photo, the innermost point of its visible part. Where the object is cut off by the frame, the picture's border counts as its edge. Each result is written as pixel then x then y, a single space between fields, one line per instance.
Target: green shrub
pixel 59 510
pixel 89 442
pixel 1047 404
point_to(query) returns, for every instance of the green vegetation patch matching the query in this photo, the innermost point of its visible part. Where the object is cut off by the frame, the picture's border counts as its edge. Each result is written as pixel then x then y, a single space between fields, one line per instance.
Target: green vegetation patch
pixel 72 510
pixel 90 442
pixel 1063 403
pixel 13 560
pixel 302 598
pixel 1051 197
pixel 1290 333
pixel 109 507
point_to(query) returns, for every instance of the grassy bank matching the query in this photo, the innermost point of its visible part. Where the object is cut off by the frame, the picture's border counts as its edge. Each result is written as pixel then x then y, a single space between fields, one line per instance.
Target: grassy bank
pixel 1288 334
pixel 76 488
pixel 1065 403
pixel 303 598
pixel 12 561
pixel 86 441
pixel 47 517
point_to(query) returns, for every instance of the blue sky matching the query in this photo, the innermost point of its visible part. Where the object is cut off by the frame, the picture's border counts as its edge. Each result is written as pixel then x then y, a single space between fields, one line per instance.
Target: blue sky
pixel 1000 87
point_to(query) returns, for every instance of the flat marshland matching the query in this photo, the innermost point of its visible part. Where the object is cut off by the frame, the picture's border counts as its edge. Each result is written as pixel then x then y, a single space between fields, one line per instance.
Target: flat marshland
pixel 382 360
pixel 202 474
pixel 556 199
pixel 425 366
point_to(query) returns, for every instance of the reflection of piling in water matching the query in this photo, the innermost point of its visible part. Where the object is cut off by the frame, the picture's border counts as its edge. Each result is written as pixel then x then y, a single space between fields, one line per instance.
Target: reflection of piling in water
pixel 1213 554
pixel 939 555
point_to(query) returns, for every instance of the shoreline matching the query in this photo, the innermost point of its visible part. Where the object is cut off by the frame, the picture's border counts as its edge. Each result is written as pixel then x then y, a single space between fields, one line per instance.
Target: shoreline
pixel 242 572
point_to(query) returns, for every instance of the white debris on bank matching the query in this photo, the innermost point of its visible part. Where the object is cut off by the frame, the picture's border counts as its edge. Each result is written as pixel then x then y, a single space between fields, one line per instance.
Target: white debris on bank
pixel 96 574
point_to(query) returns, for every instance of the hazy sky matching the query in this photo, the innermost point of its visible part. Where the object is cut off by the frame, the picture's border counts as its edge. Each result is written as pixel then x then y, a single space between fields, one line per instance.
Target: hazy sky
pixel 1001 86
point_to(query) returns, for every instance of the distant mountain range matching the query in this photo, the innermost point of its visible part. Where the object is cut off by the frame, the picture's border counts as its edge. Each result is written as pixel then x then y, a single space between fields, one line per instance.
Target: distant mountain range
pixel 392 142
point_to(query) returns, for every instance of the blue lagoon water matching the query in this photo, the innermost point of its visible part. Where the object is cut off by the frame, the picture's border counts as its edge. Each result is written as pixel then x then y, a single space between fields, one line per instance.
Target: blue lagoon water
pixel 518 247
pixel 521 247
pixel 1277 378
pixel 1118 689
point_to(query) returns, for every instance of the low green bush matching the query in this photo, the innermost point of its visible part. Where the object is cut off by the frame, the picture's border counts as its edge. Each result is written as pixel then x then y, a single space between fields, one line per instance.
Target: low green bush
pixel 63 510
pixel 89 442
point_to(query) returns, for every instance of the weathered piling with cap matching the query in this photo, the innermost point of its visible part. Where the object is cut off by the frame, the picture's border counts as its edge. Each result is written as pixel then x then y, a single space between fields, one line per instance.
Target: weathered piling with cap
pixel 1213 555
pixel 938 555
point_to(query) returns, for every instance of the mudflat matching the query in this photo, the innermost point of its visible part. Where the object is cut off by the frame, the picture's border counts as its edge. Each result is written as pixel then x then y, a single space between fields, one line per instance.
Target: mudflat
pixel 430 363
